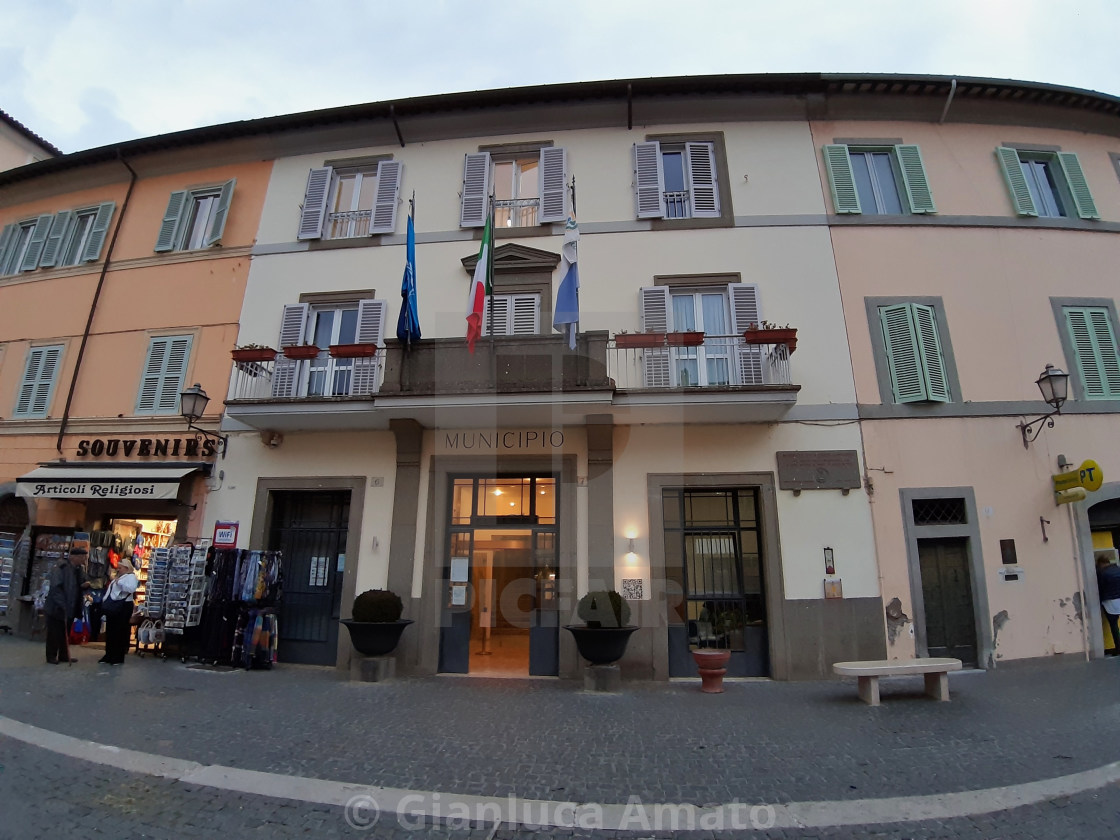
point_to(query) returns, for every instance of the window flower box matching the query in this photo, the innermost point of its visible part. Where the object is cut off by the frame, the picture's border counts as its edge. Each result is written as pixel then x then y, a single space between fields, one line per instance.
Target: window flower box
pixel 684 339
pixel 253 354
pixel 638 341
pixel 775 335
pixel 363 350
pixel 301 351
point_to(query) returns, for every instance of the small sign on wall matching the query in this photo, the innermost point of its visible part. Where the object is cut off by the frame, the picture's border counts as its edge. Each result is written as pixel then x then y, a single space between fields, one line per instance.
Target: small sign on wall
pixel 225 534
pixel 833 588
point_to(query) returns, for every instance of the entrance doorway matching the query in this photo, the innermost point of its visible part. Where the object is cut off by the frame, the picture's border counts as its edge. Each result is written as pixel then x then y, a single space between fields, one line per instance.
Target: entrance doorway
pixel 947 597
pixel 500 574
pixel 310 528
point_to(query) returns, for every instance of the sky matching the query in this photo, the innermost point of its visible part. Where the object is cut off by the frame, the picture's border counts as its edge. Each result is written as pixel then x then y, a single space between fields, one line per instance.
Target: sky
pixel 87 73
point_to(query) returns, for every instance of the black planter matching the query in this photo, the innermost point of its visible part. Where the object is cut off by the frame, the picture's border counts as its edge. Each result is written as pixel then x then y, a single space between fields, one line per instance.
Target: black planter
pixel 600 645
pixel 375 638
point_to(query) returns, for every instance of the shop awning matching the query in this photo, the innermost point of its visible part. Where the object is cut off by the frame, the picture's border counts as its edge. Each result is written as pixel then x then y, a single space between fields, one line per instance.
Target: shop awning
pixel 116 482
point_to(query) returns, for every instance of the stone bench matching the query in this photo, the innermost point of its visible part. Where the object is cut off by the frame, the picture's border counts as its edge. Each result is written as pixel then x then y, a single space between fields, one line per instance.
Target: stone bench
pixel 936 672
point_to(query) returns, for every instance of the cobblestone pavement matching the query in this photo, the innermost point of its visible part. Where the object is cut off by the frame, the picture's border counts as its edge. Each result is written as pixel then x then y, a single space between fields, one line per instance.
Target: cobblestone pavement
pixel 760 742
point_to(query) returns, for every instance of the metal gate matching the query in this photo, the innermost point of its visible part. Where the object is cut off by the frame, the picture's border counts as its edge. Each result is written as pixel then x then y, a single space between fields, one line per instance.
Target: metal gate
pixel 309 527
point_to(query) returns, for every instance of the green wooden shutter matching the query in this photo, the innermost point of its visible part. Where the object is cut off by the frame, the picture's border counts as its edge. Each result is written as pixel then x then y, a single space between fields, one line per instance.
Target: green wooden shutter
pixel 7 238
pixel 1016 181
pixel 914 178
pixel 1078 186
pixel 163 374
pixel 172 216
pixel 904 353
pixel 38 382
pixel 933 362
pixel 221 211
pixel 35 245
pixel 97 233
pixel 53 245
pixel 845 199
pixel 1094 344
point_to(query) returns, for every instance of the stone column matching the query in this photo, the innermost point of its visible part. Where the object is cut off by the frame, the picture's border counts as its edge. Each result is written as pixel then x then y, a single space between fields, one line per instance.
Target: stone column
pixel 600 502
pixel 402 539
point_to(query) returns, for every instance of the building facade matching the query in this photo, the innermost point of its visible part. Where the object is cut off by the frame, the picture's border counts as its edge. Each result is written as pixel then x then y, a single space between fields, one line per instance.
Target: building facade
pixel 857 490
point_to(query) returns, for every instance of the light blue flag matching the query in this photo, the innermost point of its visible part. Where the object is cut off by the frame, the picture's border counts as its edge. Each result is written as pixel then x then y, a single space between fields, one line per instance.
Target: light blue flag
pixel 408 323
pixel 566 317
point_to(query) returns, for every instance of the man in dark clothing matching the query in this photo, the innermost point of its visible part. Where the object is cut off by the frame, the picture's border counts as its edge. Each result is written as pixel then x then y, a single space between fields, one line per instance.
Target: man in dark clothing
pixel 1108 586
pixel 64 602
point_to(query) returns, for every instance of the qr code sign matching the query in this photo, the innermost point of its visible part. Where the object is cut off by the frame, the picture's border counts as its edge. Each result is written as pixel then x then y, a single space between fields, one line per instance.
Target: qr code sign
pixel 632 589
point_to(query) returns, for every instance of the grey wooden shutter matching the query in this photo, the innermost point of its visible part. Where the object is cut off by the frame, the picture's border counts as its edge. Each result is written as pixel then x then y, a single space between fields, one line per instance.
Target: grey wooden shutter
pixel 221 211
pixel 8 239
pixel 35 244
pixel 1094 344
pixel 914 178
pixel 495 315
pixel 1078 186
pixel 366 375
pixel 553 185
pixel 162 376
pixel 315 198
pixel 59 228
pixel 476 188
pixel 98 232
pixel 904 353
pixel 293 324
pixel 1016 182
pixel 746 311
pixel 700 169
pixel 649 180
pixel 38 382
pixel 933 364
pixel 838 165
pixel 384 216
pixel 525 314
pixel 656 313
pixel 172 216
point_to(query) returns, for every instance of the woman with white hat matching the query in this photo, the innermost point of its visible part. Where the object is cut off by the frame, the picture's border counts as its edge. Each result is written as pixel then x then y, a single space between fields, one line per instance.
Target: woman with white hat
pixel 117 607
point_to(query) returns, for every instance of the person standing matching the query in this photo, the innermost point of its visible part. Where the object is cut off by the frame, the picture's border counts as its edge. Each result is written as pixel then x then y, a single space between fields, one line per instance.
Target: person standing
pixel 1108 587
pixel 117 607
pixel 63 603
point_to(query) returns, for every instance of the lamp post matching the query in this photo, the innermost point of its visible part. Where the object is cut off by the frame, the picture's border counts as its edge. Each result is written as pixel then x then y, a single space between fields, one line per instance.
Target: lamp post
pixel 192 405
pixel 1054 384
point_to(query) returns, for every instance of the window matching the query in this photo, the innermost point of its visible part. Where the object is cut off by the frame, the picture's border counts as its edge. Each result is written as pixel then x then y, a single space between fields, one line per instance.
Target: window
pixel 77 236
pixel 195 218
pixel 350 202
pixel 359 321
pixel 722 313
pixel 878 180
pixel 38 382
pixel 914 355
pixel 21 244
pixel 163 375
pixel 1047 184
pixel 1092 335
pixel 676 180
pixel 529 187
pixel 512 315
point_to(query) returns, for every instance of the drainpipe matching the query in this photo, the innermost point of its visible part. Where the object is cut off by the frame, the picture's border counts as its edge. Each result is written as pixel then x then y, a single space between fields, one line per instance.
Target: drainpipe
pixel 93 305
pixel 949 101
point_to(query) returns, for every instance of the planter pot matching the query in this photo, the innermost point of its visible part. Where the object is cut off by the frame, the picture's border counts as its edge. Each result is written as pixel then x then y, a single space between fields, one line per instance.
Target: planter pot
pixel 637 341
pixel 375 638
pixel 254 354
pixel 685 339
pixel 788 337
pixel 353 351
pixel 600 645
pixel 712 665
pixel 301 351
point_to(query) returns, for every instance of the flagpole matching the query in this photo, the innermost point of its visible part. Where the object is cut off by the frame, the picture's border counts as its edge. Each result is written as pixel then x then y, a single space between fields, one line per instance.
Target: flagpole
pixel 490 280
pixel 573 190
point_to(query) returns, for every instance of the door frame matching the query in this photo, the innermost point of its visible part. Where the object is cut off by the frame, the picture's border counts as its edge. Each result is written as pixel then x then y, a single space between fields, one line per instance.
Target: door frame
pixel 262 523
pixel 969 530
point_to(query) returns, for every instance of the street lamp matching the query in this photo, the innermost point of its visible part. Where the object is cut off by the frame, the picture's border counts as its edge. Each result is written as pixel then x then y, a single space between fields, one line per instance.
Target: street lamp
pixel 1054 385
pixel 192 405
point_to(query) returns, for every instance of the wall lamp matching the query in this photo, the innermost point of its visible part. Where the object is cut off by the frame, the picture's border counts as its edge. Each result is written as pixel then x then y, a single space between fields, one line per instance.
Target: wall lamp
pixel 1054 385
pixel 192 405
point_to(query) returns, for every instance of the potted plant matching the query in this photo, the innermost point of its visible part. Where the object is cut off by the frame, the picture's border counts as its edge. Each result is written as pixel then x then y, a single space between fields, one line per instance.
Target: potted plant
pixel 764 332
pixel 253 353
pixel 639 341
pixel 688 338
pixel 602 637
pixel 301 351
pixel 360 350
pixel 376 624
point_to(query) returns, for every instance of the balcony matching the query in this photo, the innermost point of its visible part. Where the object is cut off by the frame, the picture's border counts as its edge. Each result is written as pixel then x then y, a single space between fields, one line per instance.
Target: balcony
pixel 348 225
pixel 516 212
pixel 520 381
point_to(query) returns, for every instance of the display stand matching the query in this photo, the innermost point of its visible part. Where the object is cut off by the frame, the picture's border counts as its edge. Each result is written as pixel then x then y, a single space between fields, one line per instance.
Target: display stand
pixel 7 561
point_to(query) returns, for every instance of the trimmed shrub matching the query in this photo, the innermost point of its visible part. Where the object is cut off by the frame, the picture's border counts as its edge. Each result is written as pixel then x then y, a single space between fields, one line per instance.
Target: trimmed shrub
pixel 604 608
pixel 378 605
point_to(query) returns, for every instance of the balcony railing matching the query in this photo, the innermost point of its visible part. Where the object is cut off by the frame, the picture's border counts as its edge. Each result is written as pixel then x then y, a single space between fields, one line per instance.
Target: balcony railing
pixel 324 377
pixel 353 223
pixel 677 205
pixel 720 361
pixel 516 212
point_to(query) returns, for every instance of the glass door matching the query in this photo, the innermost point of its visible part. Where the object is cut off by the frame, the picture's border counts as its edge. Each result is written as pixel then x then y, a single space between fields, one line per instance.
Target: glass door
pixel 708 364
pixel 327 376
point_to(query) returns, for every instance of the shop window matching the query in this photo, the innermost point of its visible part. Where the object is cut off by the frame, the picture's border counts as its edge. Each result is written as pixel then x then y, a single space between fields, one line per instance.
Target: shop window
pixel 529 187
pixel 195 218
pixel 164 371
pixel 350 202
pixel 39 377
pixel 878 180
pixel 1047 184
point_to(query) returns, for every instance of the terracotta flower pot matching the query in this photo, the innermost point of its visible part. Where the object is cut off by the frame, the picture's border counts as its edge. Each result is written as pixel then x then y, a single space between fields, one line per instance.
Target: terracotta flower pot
pixel 353 351
pixel 712 665
pixel 786 336
pixel 684 339
pixel 253 354
pixel 637 341
pixel 301 351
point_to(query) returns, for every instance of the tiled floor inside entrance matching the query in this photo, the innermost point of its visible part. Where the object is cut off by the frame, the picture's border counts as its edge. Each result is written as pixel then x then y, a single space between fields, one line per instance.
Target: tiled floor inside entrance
pixel 508 656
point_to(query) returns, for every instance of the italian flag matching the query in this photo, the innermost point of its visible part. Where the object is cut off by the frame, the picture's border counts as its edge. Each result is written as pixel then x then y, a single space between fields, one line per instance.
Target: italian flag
pixel 481 286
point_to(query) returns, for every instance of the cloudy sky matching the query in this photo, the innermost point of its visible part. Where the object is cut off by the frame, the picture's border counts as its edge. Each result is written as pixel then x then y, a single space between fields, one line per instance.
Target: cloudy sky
pixel 84 73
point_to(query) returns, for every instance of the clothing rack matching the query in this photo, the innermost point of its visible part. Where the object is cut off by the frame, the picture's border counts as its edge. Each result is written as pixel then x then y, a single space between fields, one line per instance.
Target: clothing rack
pixel 239 622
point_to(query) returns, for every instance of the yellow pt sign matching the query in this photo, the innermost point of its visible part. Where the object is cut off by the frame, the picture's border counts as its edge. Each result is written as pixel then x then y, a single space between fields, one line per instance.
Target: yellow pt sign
pixel 1088 475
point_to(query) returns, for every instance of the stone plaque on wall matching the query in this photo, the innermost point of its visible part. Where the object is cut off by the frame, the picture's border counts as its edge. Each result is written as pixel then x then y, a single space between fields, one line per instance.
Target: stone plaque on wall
pixel 836 469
